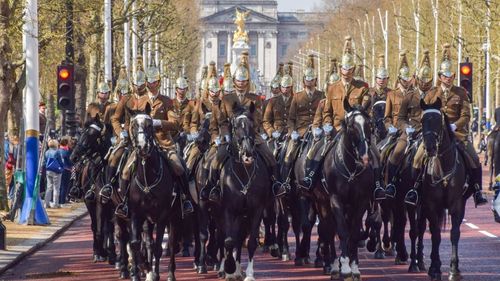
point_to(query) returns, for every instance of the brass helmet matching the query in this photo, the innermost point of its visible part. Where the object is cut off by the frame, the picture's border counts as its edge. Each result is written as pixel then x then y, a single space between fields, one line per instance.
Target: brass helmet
pixel 333 76
pixel 425 71
pixel 103 88
pixel 275 83
pixel 153 74
pixel 446 65
pixel 242 72
pixel 181 82
pixel 310 72
pixel 140 76
pixel 212 81
pixel 404 68
pixel 348 57
pixel 228 81
pixel 203 82
pixel 360 73
pixel 287 80
pixel 382 72
pixel 122 84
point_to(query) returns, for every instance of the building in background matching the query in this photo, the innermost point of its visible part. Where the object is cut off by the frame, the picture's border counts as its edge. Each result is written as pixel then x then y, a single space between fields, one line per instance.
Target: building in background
pixel 271 33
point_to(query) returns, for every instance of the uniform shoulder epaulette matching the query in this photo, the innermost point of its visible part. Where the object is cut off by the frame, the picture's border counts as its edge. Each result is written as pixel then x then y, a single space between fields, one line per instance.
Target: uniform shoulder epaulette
pixel 359 83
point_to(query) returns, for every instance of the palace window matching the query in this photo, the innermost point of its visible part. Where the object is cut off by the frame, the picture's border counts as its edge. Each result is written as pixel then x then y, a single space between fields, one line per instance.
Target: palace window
pixel 222 49
pixel 253 50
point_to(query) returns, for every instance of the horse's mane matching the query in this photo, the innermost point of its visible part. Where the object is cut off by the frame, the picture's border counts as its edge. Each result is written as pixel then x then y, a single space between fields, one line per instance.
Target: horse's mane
pixel 447 127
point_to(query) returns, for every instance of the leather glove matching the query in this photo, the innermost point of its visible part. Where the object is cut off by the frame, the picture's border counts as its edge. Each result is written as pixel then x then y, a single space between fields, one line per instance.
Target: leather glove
pixel 263 136
pixel 392 130
pixel 276 134
pixel 156 123
pixel 227 138
pixel 453 127
pixel 317 132
pixel 189 137
pixel 410 130
pixel 294 135
pixel 123 134
pixel 217 141
pixel 195 135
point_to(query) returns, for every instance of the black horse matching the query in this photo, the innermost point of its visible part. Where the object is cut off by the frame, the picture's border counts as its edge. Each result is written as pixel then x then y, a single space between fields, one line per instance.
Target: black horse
pixel 151 197
pixel 443 184
pixel 349 179
pixel 246 191
pixel 90 151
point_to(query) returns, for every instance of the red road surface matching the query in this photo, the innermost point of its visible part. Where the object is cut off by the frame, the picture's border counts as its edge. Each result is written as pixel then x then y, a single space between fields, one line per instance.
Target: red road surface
pixel 69 258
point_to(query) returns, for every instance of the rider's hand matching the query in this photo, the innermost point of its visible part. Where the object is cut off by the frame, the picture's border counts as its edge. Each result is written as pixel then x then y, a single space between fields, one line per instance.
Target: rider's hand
pixel 217 141
pixel 327 128
pixel 156 123
pixel 189 137
pixel 194 135
pixel 453 127
pixel 392 130
pixel 227 138
pixel 263 136
pixel 410 130
pixel 317 132
pixel 123 135
pixel 276 134
pixel 294 135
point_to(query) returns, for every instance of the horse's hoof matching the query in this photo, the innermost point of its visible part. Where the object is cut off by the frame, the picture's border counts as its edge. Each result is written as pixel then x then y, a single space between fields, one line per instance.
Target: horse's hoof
pixel 275 252
pixel 143 274
pixel 285 257
pixel 454 276
pixel 421 266
pixel 356 277
pixel 413 268
pixel 124 274
pixel 299 262
pixel 98 258
pixel 171 278
pixel 399 261
pixel 185 253
pixel 327 270
pixel 379 255
pixel 347 278
pixel 221 275
pixel 202 269
pixel 112 260
pixel 118 264
pixel 135 278
pixel 249 279
pixel 318 262
pixel 361 243
pixel 215 267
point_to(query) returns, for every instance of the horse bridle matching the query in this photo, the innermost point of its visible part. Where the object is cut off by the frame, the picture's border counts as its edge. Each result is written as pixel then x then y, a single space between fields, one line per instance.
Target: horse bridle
pixel 251 175
pixel 86 147
pixel 243 138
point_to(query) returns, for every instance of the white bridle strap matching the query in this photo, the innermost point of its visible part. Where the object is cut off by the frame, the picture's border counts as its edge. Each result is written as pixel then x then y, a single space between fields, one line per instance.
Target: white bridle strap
pixel 432 111
pixel 145 116
pixel 379 102
pixel 97 128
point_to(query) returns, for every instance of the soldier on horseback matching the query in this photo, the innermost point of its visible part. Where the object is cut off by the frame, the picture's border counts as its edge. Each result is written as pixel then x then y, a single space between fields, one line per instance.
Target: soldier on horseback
pixel 357 93
pixel 302 111
pixel 380 91
pixel 402 113
pixel 221 121
pixel 456 105
pixel 182 107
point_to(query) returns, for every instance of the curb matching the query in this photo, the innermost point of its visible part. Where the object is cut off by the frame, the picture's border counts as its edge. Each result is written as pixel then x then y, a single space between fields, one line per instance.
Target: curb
pixel 39 245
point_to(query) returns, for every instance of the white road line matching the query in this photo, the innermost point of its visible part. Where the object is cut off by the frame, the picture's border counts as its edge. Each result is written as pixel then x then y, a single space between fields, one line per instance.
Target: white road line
pixel 473 226
pixel 487 234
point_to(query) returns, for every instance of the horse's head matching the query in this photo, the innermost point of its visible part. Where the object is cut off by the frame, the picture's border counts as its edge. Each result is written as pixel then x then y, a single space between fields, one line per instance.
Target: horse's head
pixel 244 134
pixel 142 131
pixel 357 127
pixel 378 112
pixel 432 126
pixel 90 139
pixel 202 139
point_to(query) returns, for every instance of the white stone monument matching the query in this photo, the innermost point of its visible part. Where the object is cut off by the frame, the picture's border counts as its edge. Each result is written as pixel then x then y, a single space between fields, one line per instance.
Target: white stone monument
pixel 240 39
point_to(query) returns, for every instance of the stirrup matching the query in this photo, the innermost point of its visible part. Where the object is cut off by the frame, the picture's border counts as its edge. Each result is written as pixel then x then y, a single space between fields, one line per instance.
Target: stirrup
pixel 122 211
pixel 379 194
pixel 90 195
pixel 105 193
pixel 409 200
pixel 215 195
pixel 187 207
pixel 392 188
pixel 279 189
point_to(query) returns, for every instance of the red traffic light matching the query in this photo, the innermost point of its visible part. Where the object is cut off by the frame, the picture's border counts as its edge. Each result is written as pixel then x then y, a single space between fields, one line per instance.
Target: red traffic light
pixel 465 69
pixel 64 73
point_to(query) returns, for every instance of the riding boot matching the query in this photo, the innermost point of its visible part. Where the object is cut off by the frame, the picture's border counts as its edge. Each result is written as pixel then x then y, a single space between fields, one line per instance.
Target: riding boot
pixel 187 205
pixel 478 195
pixel 390 189
pixel 107 189
pixel 279 188
pixel 212 185
pixel 411 196
pixel 90 195
pixel 122 208
pixel 379 192
pixel 204 193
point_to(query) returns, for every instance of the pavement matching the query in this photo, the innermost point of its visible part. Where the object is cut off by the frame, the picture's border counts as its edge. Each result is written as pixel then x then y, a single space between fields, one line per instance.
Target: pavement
pixel 23 240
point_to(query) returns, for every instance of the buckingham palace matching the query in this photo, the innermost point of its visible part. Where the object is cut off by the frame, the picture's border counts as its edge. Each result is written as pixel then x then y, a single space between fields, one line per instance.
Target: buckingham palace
pixel 271 33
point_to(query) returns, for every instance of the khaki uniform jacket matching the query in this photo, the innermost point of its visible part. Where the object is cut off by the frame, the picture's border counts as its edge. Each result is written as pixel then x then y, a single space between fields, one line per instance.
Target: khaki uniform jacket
pixel 455 105
pixel 182 113
pixel 276 114
pixel 357 94
pixel 221 115
pixel 378 95
pixel 410 113
pixel 392 107
pixel 198 115
pixel 318 115
pixel 302 111
pixel 96 108
pixel 160 109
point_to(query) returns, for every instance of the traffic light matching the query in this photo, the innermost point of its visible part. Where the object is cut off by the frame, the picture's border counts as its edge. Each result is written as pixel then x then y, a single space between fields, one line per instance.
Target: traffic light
pixel 466 77
pixel 65 86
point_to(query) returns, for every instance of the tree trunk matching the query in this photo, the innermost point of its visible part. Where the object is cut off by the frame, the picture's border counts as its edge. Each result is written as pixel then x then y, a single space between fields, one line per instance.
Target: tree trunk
pixel 16 104
pixel 50 112
pixel 7 82
pixel 81 79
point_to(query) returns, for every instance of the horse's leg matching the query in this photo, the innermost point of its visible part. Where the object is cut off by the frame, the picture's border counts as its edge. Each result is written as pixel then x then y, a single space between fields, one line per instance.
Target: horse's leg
pixel 307 226
pixel 197 240
pixel 110 233
pixel 412 217
pixel 124 237
pixel 456 220
pixel 325 233
pixel 172 241
pixel 297 219
pixel 203 221
pixel 97 246
pixel 220 237
pixel 273 248
pixel 343 233
pixel 136 226
pixel 399 225
pixel 154 275
pixel 252 244
pixel 231 226
pixel 355 223
pixel 434 216
pixel 388 235
pixel 422 222
pixel 283 226
pixel 215 244
pixel 149 243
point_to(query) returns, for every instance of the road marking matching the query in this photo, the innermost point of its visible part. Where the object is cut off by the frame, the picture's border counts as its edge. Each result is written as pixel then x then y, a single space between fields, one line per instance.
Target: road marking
pixel 473 226
pixel 487 234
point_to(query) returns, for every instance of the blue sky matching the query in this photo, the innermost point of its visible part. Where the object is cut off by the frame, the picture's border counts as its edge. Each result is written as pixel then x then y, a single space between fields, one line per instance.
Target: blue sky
pixel 292 5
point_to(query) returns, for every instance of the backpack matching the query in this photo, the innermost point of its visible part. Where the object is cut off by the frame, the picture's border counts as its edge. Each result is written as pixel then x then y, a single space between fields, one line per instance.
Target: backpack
pixel 54 165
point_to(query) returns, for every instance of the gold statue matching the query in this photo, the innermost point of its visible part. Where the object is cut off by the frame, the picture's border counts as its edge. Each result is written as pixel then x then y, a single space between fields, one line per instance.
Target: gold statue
pixel 240 34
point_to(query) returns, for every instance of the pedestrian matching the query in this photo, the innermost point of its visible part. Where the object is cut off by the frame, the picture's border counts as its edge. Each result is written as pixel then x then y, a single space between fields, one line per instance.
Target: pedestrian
pixel 54 166
pixel 65 151
pixel 10 146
